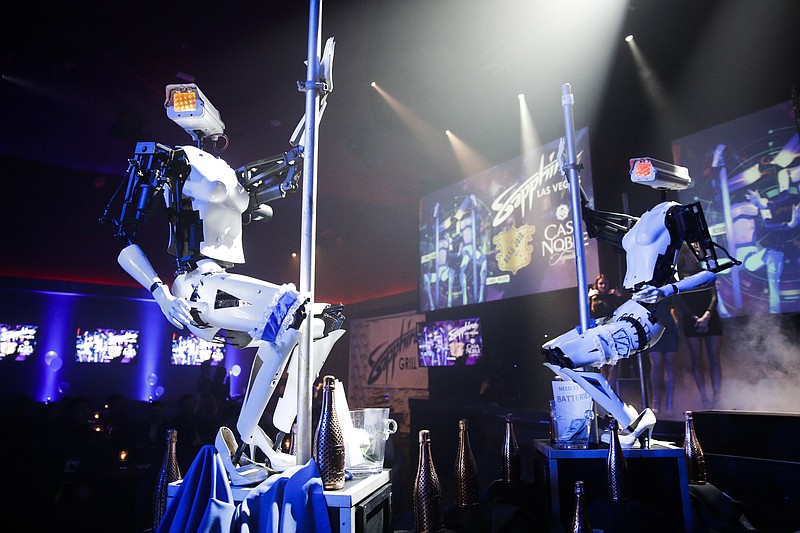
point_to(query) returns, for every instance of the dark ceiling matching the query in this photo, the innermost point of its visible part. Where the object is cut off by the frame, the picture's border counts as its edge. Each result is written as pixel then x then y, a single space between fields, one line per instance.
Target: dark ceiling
pixel 83 82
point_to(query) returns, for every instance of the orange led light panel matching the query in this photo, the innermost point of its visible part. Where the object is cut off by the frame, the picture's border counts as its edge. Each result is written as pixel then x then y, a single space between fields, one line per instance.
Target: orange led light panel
pixel 643 169
pixel 184 101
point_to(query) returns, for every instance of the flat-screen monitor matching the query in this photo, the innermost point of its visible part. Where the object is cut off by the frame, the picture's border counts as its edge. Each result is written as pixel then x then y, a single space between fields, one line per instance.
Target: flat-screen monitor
pixel 17 341
pixel 104 345
pixel 746 174
pixel 449 342
pixel 190 350
pixel 504 232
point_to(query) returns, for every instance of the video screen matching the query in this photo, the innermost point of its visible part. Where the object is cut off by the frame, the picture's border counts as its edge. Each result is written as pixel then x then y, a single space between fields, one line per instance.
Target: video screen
pixel 17 342
pixel 746 174
pixel 104 345
pixel 449 342
pixel 190 350
pixel 504 232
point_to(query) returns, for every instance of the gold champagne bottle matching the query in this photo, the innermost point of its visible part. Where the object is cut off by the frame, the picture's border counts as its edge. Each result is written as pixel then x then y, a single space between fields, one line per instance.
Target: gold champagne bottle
pixel 695 460
pixel 427 490
pixel 466 470
pixel 511 459
pixel 170 472
pixel 617 467
pixel 580 518
pixel 329 440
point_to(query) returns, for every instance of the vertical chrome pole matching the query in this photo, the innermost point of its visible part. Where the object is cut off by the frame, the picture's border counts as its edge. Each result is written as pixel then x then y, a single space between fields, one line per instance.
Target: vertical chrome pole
pixel 730 241
pixel 475 298
pixel 308 230
pixel 567 101
pixel 436 257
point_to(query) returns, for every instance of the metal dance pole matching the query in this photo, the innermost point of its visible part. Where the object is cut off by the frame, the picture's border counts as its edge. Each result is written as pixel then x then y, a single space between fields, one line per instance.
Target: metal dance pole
pixel 308 230
pixel 572 167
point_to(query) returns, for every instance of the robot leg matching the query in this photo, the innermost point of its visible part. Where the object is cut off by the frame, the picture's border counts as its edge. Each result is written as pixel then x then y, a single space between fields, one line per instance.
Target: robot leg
pixel 629 330
pixel 636 425
pixel 268 367
pixel 286 409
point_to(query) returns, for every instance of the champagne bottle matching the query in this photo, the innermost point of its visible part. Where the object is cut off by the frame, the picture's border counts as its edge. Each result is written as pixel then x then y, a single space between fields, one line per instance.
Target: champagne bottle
pixel 466 470
pixel 170 472
pixel 511 460
pixel 617 467
pixel 695 460
pixel 580 518
pixel 427 490
pixel 329 440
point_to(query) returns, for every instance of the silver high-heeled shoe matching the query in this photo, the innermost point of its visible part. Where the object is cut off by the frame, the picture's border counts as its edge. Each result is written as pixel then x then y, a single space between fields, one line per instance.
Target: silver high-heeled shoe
pixel 640 430
pixel 278 461
pixel 248 472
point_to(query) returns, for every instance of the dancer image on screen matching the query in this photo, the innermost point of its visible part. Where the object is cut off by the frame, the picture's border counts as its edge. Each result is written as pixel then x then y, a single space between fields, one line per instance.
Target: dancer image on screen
pixel 769 241
pixel 779 216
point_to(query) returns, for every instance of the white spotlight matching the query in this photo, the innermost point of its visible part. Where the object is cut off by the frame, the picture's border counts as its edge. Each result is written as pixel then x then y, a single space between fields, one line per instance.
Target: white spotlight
pixel 521 96
pixel 629 38
pixel 447 132
pixel 373 84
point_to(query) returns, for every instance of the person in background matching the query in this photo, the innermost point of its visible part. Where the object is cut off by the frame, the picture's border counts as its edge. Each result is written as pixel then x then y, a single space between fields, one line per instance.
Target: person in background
pixel 603 301
pixel 702 328
pixel 603 298
pixel 662 354
pixel 221 386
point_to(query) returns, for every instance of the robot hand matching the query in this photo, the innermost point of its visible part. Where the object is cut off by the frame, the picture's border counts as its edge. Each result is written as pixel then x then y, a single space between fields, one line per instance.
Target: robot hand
pixel 650 295
pixel 177 310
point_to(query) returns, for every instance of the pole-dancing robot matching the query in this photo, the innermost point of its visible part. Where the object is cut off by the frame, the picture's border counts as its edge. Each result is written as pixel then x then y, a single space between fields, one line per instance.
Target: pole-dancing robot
pixel 651 243
pixel 208 202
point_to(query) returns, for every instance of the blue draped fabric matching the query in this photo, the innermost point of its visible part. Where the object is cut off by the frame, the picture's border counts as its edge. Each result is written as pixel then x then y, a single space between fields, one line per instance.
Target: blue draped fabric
pixel 292 501
pixel 203 502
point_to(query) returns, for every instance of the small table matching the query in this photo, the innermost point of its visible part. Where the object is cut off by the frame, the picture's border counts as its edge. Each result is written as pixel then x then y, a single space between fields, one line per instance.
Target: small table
pixel 363 503
pixel 658 474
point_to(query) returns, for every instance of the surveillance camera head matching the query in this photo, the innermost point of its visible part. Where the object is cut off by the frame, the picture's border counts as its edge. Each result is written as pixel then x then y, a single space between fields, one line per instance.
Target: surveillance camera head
pixel 190 109
pixel 659 174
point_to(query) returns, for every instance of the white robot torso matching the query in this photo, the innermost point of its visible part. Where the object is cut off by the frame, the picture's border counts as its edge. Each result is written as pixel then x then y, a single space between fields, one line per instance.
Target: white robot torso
pixel 644 243
pixel 220 199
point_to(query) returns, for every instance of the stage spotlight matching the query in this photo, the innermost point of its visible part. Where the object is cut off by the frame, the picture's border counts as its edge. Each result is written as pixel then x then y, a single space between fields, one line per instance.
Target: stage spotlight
pixel 521 96
pixel 189 108
pixel 469 161
pixel 447 132
pixel 629 38
pixel 373 84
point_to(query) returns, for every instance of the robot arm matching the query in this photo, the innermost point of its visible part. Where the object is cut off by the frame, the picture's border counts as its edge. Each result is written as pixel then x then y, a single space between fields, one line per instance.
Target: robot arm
pixel 270 179
pixel 152 168
pixel 696 282
pixel 136 264
pixel 605 226
pixel 273 177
